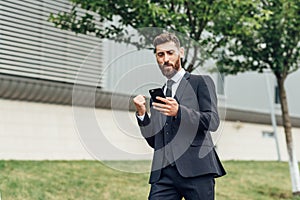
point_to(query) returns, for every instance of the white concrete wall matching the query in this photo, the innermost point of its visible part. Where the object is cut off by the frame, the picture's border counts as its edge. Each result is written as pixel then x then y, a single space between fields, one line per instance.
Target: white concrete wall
pixel 249 91
pixel 244 141
pixel 36 131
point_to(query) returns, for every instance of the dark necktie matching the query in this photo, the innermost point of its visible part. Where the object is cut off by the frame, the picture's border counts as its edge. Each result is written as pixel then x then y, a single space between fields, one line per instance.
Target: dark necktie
pixel 169 88
pixel 168 135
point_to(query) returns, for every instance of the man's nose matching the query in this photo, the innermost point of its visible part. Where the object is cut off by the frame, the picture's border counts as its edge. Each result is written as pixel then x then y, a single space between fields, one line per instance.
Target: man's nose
pixel 166 58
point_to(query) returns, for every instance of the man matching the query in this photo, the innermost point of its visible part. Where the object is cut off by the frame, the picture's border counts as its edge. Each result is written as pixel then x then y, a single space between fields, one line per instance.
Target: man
pixel 185 162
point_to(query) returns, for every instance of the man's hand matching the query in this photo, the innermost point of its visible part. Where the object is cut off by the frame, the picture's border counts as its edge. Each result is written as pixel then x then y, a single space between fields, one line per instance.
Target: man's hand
pixel 140 104
pixel 168 109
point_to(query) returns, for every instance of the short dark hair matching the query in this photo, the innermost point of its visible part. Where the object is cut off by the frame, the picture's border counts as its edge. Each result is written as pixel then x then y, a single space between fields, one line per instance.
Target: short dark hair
pixel 166 37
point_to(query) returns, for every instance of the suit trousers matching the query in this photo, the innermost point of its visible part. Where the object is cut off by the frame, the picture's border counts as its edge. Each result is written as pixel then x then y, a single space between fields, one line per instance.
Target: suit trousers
pixel 172 186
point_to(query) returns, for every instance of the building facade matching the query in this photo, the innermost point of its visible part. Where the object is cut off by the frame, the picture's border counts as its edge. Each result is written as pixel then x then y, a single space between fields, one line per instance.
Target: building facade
pixel 54 83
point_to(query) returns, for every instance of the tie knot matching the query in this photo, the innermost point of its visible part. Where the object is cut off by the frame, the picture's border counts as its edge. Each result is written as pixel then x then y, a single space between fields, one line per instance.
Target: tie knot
pixel 170 83
pixel 169 88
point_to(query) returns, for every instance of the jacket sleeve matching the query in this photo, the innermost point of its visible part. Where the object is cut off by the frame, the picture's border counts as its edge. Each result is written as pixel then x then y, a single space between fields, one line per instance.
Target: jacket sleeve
pixel 205 116
pixel 146 128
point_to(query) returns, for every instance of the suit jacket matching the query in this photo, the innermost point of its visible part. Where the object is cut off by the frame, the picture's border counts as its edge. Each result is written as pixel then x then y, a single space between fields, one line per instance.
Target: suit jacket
pixel 191 144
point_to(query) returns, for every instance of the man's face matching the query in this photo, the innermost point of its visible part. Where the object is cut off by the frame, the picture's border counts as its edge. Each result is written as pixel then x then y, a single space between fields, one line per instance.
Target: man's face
pixel 168 58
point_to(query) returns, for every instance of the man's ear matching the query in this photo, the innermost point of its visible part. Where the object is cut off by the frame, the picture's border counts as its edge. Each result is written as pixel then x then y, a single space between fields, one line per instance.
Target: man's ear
pixel 181 51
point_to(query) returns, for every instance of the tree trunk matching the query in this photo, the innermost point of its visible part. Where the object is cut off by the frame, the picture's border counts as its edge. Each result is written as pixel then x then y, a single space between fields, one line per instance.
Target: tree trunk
pixel 293 163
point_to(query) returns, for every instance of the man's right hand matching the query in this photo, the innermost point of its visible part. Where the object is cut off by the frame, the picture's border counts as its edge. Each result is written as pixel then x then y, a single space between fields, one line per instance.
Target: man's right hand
pixel 140 104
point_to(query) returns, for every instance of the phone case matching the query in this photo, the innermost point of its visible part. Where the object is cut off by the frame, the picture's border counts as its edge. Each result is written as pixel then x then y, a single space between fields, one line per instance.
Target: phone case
pixel 156 92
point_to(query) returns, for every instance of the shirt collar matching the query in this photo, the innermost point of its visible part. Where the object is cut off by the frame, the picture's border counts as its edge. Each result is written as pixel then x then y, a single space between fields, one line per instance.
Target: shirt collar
pixel 178 76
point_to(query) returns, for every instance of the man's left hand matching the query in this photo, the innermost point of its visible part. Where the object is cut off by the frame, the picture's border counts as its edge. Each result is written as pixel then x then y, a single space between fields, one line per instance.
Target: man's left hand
pixel 170 108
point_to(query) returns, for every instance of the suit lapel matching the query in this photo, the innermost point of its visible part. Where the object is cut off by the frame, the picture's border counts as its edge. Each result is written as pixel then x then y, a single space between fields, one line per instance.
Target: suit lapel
pixel 182 85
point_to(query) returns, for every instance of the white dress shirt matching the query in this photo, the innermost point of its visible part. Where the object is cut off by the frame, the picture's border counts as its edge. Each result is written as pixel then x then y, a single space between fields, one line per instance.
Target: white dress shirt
pixel 176 78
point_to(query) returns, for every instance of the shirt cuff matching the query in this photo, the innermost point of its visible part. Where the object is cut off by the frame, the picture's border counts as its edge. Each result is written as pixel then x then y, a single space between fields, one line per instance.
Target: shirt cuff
pixel 140 117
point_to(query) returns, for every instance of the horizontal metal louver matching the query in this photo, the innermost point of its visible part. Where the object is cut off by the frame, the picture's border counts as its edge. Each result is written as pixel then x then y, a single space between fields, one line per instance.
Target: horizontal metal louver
pixel 32 47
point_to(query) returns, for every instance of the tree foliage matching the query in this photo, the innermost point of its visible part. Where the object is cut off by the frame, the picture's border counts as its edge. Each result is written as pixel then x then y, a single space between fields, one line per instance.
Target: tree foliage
pixel 195 19
pixel 273 43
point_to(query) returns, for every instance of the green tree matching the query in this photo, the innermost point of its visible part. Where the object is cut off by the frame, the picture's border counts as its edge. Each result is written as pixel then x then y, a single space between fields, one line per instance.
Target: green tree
pixel 190 17
pixel 274 44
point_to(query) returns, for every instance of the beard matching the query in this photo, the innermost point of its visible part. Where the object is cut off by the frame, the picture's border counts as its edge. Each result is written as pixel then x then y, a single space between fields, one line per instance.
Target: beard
pixel 168 69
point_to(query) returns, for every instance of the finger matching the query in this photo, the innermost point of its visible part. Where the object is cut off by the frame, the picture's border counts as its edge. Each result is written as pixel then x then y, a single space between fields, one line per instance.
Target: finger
pixel 160 105
pixel 159 108
pixel 170 99
pixel 162 110
pixel 142 99
pixel 162 99
pixel 139 98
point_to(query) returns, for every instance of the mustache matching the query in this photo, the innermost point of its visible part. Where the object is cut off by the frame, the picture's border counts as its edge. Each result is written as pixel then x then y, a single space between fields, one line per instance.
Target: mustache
pixel 167 64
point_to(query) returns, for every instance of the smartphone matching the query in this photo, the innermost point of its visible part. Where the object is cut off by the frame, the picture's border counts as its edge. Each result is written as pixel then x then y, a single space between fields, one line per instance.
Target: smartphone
pixel 157 92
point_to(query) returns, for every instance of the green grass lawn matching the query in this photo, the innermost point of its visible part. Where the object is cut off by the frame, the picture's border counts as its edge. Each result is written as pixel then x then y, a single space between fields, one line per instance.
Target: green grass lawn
pixel 84 180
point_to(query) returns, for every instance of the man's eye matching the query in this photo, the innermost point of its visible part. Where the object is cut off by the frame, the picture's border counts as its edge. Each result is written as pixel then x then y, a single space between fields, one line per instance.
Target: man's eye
pixel 171 52
pixel 160 54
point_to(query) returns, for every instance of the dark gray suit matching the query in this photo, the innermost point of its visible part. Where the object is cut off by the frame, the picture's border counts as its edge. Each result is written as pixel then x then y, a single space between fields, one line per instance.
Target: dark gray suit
pixel 185 140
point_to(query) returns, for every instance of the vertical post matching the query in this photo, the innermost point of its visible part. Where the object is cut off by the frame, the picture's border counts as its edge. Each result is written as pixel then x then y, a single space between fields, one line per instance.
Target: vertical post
pixel 273 118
